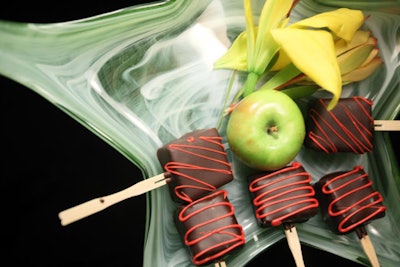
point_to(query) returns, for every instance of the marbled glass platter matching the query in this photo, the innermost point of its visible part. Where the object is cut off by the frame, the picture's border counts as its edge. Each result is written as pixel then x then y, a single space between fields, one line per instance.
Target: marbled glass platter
pixel 150 80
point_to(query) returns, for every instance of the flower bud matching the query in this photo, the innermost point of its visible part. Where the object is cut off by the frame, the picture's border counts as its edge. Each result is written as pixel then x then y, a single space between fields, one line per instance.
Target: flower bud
pixel 359 58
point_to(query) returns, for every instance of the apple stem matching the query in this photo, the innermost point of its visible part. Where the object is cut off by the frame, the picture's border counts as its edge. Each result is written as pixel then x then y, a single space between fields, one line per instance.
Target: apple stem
pixel 273 130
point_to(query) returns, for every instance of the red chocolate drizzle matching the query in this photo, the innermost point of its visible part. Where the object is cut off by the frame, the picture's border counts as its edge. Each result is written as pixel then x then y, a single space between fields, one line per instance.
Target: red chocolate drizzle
pixel 346 128
pixel 197 163
pixel 209 227
pixel 283 196
pixel 177 167
pixel 349 199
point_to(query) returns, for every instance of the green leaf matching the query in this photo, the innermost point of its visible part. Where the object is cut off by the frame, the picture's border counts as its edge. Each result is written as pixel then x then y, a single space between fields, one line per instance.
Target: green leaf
pixel 281 77
pixel 300 91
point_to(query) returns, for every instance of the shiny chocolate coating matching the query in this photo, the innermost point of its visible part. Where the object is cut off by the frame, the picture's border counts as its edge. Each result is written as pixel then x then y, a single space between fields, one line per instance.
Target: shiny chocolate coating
pixel 196 164
pixel 348 127
pixel 208 228
pixel 284 196
pixel 348 200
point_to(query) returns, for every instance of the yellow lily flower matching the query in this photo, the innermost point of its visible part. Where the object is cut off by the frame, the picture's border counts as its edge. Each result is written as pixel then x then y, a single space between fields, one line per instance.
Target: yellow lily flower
pixel 332 20
pixel 311 48
pixel 313 53
pixel 307 44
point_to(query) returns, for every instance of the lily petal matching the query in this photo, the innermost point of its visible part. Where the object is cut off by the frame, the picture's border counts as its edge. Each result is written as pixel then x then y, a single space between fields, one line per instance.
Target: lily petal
pixel 352 59
pixel 374 54
pixel 313 53
pixel 273 15
pixel 359 38
pixel 250 32
pixel 236 56
pixel 362 72
pixel 344 22
pixel 282 61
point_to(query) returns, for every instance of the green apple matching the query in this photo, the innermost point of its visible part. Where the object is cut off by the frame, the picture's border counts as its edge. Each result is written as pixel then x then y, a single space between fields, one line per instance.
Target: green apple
pixel 266 130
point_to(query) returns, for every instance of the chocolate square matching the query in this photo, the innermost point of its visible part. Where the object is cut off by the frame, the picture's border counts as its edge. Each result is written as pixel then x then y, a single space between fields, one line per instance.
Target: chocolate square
pixel 197 163
pixel 348 127
pixel 283 196
pixel 208 228
pixel 348 200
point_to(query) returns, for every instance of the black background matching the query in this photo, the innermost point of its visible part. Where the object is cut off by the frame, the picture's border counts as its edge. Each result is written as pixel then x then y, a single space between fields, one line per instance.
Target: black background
pixel 50 163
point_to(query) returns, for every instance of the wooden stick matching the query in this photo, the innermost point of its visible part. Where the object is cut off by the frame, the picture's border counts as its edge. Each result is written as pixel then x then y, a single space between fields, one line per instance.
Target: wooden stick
pixel 369 250
pixel 294 244
pixel 220 264
pixel 387 125
pixel 98 204
pixel 367 246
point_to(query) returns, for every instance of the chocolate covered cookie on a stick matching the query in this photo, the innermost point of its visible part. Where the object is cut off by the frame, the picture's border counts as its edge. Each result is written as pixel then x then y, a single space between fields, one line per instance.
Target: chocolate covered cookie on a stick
pixel 348 127
pixel 194 165
pixel 208 228
pixel 348 203
pixel 284 197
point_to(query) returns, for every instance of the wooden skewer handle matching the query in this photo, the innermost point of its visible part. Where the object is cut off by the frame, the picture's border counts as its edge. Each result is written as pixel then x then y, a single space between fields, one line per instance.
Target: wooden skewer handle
pixel 387 125
pixel 367 245
pixel 220 264
pixel 98 204
pixel 294 245
pixel 369 250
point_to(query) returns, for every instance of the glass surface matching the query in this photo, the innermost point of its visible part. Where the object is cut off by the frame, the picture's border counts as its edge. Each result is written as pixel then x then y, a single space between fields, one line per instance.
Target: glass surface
pixel 142 76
